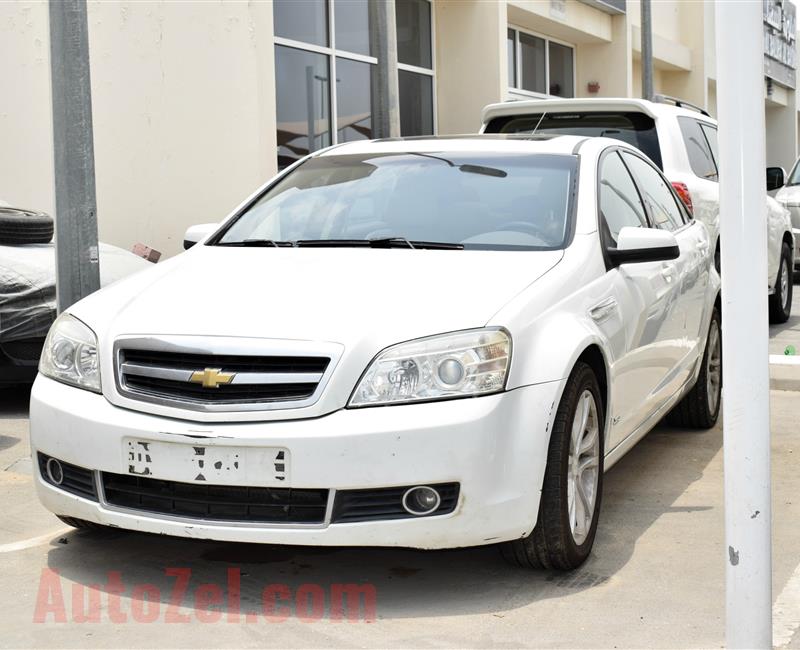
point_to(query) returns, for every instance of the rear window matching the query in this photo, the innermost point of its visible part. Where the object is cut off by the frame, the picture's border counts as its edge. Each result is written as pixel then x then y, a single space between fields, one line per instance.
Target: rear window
pixel 634 128
pixel 697 148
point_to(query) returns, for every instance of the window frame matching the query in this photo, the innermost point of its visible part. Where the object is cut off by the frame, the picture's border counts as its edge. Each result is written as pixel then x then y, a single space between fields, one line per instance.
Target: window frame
pixel 679 204
pixel 600 165
pixel 513 85
pixel 332 52
pixel 605 245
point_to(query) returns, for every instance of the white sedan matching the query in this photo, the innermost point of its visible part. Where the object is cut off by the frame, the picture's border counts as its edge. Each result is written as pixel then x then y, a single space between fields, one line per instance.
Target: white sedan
pixel 430 343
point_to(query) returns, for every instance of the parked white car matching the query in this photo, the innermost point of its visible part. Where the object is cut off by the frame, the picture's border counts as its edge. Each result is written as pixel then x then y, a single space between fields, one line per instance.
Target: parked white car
pixel 682 141
pixel 789 197
pixel 429 343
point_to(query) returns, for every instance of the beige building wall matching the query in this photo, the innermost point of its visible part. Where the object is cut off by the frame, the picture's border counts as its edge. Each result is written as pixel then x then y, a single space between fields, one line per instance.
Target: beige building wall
pixel 471 61
pixel 26 132
pixel 183 109
pixel 183 102
pixel 607 62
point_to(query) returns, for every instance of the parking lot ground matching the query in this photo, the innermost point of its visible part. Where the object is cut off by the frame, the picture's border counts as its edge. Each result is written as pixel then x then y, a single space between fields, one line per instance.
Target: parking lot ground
pixel 655 578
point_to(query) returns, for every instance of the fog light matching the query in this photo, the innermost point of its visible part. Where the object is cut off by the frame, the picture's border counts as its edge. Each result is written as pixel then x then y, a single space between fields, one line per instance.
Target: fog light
pixel 421 500
pixel 54 471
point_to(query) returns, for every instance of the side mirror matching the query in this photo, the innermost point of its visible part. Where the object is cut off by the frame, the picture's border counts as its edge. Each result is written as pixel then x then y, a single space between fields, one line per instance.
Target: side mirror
pixel 644 245
pixel 197 233
pixel 776 178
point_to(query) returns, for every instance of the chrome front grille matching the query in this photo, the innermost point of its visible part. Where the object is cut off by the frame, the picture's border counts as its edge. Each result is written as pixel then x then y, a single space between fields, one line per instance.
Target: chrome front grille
pixel 230 376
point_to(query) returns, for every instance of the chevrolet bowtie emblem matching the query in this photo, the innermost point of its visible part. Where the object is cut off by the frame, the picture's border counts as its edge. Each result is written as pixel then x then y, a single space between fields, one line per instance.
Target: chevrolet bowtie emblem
pixel 212 377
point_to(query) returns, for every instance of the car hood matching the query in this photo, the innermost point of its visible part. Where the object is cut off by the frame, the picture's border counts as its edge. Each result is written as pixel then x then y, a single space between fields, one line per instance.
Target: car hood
pixel 340 295
pixel 353 300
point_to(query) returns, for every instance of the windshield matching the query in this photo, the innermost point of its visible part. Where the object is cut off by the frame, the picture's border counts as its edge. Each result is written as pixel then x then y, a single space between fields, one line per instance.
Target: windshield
pixel 636 129
pixel 794 175
pixel 472 200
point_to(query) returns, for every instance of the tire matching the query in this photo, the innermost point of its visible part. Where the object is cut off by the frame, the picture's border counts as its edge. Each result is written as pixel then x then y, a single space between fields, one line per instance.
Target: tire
pixel 81 524
pixel 555 543
pixel 699 408
pixel 780 302
pixel 25 227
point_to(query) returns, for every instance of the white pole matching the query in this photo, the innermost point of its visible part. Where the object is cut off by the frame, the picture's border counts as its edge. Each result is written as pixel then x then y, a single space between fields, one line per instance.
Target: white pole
pixel 740 101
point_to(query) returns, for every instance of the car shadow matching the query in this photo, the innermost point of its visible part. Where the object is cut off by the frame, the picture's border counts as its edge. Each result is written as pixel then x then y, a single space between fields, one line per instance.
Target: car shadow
pixel 639 490
pixel 14 401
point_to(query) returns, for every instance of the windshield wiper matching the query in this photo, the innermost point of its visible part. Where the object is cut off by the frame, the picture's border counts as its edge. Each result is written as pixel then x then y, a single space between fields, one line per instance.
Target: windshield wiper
pixel 386 242
pixel 255 243
pixel 389 242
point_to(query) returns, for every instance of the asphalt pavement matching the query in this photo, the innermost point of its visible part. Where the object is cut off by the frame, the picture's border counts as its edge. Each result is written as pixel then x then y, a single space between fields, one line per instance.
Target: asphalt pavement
pixel 655 578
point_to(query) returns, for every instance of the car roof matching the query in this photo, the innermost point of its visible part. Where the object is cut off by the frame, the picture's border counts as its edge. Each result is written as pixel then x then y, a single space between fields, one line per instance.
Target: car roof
pixel 489 143
pixel 653 109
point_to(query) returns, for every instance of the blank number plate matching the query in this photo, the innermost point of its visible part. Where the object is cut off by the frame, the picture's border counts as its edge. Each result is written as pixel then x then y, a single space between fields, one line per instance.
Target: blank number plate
pixel 212 464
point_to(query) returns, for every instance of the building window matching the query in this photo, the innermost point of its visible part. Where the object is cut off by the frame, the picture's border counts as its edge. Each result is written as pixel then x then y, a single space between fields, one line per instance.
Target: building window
pixel 539 66
pixel 415 66
pixel 317 41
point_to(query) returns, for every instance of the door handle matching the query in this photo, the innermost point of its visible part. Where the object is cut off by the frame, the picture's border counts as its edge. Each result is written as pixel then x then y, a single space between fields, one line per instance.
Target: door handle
pixel 668 271
pixel 603 309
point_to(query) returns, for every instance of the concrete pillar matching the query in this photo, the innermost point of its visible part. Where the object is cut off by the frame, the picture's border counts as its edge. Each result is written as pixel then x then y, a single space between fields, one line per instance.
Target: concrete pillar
pixel 471 63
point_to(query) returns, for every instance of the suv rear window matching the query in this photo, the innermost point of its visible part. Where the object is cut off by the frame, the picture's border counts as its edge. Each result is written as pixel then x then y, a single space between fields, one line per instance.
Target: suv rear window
pixel 634 128
pixel 697 148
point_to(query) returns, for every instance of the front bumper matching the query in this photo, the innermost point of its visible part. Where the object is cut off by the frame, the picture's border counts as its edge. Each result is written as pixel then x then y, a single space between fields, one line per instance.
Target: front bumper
pixel 495 447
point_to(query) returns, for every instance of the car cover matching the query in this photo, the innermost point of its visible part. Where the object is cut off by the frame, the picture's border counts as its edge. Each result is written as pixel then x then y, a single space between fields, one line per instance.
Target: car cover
pixel 28 286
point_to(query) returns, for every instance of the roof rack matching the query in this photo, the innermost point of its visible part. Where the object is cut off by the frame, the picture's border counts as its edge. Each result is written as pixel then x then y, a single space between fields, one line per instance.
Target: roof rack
pixel 680 103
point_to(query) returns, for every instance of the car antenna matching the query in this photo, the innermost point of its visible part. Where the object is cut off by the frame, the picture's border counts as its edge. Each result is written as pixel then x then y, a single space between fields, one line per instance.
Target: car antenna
pixel 536 128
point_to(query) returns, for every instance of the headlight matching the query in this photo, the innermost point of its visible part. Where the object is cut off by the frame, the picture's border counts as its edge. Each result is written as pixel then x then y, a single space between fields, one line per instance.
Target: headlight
pixel 70 354
pixel 473 362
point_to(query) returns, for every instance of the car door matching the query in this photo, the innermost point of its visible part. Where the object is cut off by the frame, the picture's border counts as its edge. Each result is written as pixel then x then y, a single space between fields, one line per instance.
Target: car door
pixel 644 297
pixel 686 277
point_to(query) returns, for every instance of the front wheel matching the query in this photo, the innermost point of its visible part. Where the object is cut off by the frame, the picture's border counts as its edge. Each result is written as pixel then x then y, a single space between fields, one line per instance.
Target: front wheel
pixel 780 302
pixel 573 482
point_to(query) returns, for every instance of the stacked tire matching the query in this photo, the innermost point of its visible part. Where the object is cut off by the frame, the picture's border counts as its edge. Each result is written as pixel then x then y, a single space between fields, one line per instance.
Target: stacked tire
pixel 19 226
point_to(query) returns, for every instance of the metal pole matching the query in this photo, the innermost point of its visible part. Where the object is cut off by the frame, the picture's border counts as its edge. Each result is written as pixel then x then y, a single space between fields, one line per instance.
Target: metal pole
pixel 647 51
pixel 385 92
pixel 310 109
pixel 77 263
pixel 740 102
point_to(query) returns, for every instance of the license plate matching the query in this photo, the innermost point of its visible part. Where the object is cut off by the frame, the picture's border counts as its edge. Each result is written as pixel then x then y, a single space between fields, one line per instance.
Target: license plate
pixel 211 464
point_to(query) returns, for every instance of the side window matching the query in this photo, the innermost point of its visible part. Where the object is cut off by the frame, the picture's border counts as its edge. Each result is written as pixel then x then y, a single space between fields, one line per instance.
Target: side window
pixel 620 204
pixel 657 195
pixel 711 137
pixel 698 150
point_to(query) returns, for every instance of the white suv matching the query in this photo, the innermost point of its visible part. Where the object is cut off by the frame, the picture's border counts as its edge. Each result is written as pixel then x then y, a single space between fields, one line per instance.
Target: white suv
pixel 679 138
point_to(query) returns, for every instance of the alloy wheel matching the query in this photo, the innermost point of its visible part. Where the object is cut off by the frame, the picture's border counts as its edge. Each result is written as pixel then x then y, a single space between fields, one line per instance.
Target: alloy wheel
pixel 583 469
pixel 784 284
pixel 714 367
